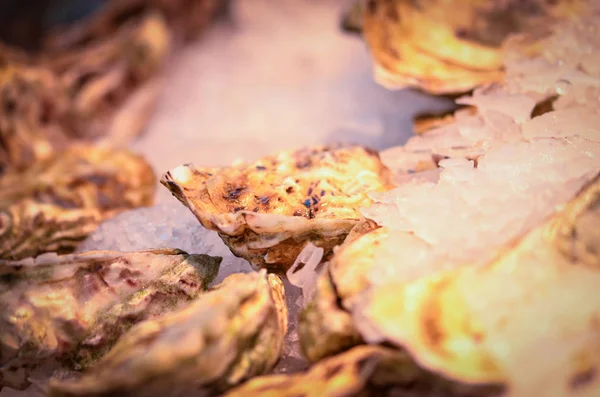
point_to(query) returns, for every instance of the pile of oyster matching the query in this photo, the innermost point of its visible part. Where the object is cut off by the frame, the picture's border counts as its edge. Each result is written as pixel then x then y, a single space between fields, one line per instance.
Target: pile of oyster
pixel 464 263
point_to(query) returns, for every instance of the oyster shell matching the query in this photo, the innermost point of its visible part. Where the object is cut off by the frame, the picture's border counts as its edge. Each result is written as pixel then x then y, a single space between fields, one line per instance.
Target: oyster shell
pixel 103 92
pixel 73 307
pixel 446 46
pixel 360 371
pixel 266 211
pixel 33 114
pixel 186 19
pixel 488 325
pixel 113 83
pixel 347 374
pixel 57 202
pixel 501 322
pixel 229 334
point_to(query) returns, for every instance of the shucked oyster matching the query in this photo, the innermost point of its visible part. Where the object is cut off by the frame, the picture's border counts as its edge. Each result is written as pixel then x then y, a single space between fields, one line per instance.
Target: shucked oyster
pixel 229 334
pixel 57 202
pixel 444 46
pixel 74 307
pixel 268 210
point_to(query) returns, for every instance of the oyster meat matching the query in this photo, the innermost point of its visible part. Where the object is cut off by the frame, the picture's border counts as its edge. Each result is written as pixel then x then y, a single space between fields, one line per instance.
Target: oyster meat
pixel 444 46
pixel 268 210
pixel 231 333
pixel 54 204
pixel 74 307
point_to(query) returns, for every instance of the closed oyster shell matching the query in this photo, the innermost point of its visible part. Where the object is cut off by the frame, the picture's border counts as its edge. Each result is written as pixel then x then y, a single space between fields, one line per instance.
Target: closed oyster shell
pixel 229 334
pixel 186 19
pixel 75 306
pixel 360 371
pixel 500 322
pixel 102 92
pixel 57 202
pixel 444 46
pixel 33 114
pixel 268 210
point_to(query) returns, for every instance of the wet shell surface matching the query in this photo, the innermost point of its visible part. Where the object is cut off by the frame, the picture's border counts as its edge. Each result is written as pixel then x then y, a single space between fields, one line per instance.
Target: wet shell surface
pixel 443 46
pixel 266 211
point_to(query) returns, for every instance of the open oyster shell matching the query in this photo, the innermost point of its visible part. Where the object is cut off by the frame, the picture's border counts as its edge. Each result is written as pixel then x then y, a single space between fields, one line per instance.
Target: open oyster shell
pixel 446 46
pixel 268 210
pixel 74 307
pixel 229 334
pixel 57 202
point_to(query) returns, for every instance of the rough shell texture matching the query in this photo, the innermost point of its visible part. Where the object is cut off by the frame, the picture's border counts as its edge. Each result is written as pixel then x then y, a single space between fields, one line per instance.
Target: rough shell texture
pixel 75 306
pixel 186 19
pixel 360 371
pixel 492 265
pixel 33 113
pixel 444 46
pixel 268 210
pixel 103 92
pixel 57 202
pixel 231 333
pixel 500 322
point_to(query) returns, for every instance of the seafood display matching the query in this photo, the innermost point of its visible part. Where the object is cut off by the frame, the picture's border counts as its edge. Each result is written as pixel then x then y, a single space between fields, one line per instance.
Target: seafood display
pixel 464 262
pixel 55 203
pixel 96 80
pixel 267 211
pixel 74 307
pixel 231 333
pixel 103 93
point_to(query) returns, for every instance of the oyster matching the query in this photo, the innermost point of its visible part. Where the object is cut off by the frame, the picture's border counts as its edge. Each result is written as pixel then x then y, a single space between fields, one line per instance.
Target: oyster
pixel 360 371
pixel 73 307
pixel 501 322
pixel 487 325
pixel 112 83
pixel 348 374
pixel 229 334
pixel 267 211
pixel 446 46
pixel 185 19
pixel 57 202
pixel 103 93
pixel 33 116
